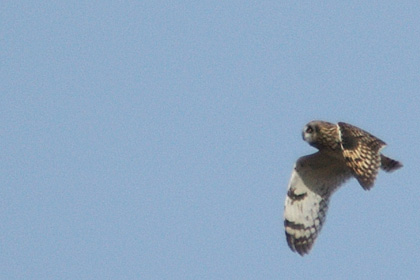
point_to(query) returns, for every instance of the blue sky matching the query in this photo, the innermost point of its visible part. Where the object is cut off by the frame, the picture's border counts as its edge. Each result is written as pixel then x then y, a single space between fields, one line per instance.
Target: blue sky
pixel 155 139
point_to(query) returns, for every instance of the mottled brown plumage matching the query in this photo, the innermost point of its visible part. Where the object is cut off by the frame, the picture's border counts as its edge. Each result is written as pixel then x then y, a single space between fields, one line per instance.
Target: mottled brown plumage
pixel 345 151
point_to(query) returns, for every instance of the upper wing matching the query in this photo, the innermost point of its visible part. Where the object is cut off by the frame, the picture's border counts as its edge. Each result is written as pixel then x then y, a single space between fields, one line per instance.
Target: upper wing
pixel 361 152
pixel 314 179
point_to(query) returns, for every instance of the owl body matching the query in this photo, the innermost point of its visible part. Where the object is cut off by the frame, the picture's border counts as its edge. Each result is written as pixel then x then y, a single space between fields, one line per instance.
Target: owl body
pixel 345 151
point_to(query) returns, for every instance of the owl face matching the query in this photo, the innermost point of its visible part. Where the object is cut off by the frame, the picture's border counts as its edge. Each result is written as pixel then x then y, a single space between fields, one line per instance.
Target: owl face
pixel 310 133
pixel 321 135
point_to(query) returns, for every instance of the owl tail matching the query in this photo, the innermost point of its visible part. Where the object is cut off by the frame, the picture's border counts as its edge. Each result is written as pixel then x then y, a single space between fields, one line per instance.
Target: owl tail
pixel 389 164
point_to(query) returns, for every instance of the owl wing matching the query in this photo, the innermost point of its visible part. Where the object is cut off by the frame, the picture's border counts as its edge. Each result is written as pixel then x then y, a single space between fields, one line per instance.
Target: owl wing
pixel 314 178
pixel 361 151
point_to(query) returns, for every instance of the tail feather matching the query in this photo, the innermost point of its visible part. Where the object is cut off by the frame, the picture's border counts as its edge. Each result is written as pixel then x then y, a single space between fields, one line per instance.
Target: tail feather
pixel 389 164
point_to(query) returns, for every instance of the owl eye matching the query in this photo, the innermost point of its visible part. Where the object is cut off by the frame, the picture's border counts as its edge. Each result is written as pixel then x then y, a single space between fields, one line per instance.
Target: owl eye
pixel 309 129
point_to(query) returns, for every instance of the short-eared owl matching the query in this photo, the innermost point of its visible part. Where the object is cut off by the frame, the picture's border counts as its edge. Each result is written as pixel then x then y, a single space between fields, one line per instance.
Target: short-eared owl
pixel 345 151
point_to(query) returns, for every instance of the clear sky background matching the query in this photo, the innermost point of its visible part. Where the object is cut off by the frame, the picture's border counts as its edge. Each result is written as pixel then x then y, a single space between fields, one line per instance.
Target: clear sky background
pixel 155 139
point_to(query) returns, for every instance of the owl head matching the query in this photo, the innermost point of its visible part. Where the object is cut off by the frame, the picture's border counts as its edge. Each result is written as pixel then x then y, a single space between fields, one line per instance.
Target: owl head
pixel 310 132
pixel 320 135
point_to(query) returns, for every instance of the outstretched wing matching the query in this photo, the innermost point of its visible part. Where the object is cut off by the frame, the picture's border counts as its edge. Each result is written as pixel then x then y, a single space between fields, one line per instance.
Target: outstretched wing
pixel 361 152
pixel 314 178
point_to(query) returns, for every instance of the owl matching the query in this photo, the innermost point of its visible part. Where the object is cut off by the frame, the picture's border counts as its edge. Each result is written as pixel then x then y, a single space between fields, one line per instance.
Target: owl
pixel 344 151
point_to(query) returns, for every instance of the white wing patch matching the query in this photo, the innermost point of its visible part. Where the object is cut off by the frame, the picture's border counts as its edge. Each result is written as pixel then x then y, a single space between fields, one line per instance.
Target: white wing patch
pixel 314 178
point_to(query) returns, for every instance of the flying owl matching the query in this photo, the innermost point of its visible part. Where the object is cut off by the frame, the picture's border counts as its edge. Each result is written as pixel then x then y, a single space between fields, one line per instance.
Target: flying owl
pixel 345 151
